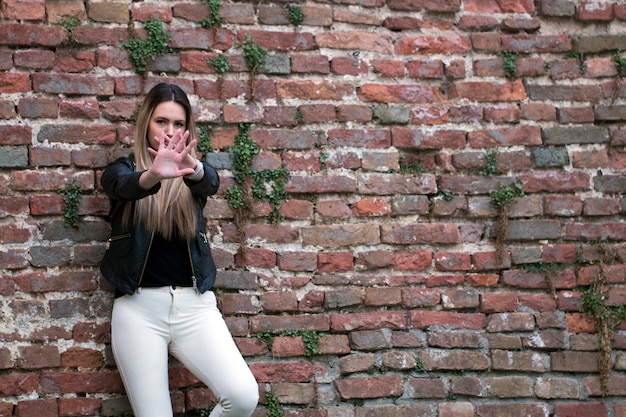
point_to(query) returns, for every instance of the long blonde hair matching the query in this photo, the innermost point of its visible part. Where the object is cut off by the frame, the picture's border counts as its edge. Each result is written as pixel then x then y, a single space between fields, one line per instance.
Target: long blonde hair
pixel 171 211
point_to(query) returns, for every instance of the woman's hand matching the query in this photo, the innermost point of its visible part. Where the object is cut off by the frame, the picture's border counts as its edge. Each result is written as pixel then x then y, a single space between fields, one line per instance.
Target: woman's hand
pixel 171 160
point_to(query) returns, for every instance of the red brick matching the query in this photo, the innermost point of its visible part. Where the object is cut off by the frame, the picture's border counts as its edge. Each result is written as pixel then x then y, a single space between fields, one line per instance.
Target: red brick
pixel 240 304
pixel 348 66
pixel 355 40
pixel 396 93
pixel 373 387
pixel 387 67
pixel 598 12
pixel 35 59
pixel 425 319
pixel 77 357
pixel 493 6
pixel 427 388
pixel 313 64
pixel 368 321
pixel 38 408
pixel 486 92
pixel 144 11
pixel 79 406
pixel 525 135
pixel 81 382
pixel 277 302
pixel 18 384
pixel 555 182
pixel 499 302
pixel 280 40
pixel 24 9
pixel 286 371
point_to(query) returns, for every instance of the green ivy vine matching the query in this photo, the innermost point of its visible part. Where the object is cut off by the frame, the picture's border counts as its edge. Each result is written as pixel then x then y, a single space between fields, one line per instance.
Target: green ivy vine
pixel 254 56
pixel 142 51
pixel 502 199
pixel 214 19
pixel 72 196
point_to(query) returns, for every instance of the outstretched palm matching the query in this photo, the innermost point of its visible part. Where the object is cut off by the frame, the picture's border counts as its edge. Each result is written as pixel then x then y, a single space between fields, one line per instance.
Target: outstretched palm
pixel 172 159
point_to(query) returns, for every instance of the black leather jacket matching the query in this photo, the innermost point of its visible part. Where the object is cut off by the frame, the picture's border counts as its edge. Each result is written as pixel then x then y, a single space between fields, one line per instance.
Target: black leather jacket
pixel 127 252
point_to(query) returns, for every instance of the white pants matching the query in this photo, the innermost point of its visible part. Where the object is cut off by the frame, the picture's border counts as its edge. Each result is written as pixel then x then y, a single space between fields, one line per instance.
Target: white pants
pixel 153 322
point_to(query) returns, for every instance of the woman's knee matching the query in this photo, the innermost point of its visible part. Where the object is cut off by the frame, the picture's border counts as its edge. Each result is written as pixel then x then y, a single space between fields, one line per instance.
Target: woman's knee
pixel 243 401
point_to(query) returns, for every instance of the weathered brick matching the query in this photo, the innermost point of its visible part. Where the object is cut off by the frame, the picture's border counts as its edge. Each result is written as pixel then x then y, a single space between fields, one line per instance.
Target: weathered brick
pixel 18 384
pixel 79 406
pixel 42 407
pixel 526 409
pixel 81 382
pixel 14 157
pixel 574 361
pixel 557 388
pixel 425 319
pixel 508 387
pixel 451 340
pixel 444 359
pixel 286 372
pixel 382 386
pixel 574 93
pixel 109 12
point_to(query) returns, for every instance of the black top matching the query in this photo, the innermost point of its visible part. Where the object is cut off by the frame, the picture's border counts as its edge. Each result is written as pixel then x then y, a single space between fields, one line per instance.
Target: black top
pixel 168 264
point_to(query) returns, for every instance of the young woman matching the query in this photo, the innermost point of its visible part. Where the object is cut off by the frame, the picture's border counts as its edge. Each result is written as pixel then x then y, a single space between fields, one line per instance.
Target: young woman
pixel 160 263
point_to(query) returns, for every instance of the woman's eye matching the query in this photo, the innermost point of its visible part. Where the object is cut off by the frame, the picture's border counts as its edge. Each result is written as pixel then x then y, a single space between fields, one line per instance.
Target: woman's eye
pixel 180 124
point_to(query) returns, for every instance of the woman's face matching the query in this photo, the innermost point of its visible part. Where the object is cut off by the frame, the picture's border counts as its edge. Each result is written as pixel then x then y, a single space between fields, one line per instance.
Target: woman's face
pixel 167 117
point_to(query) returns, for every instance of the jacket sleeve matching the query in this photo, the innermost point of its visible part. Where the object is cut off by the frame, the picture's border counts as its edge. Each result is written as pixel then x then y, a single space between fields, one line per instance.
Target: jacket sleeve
pixel 208 185
pixel 121 182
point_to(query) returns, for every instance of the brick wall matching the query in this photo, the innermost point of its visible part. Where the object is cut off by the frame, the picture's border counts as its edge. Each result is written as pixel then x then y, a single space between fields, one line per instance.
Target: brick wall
pixel 398 272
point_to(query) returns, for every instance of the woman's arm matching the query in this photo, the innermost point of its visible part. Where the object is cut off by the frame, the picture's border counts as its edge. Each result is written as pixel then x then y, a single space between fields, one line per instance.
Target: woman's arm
pixel 120 181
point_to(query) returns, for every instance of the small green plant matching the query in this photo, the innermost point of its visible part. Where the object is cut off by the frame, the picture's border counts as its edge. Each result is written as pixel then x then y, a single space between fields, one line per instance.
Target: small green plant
pixel 142 51
pixel 504 196
pixel 509 64
pixel 419 366
pixel 239 196
pixel 414 167
pixel 269 186
pixel 254 56
pixel 580 56
pixel 205 132
pixel 274 409
pixel 294 14
pixel 491 168
pixel 236 198
pixel 299 116
pixel 607 318
pixel 618 61
pixel 69 24
pixel 310 338
pixel 323 156
pixel 214 19
pixel 72 196
pixel 267 338
pixel 244 151
pixel 219 64
pixel 545 268
pixel 447 195
pixel 542 267
pixel 501 199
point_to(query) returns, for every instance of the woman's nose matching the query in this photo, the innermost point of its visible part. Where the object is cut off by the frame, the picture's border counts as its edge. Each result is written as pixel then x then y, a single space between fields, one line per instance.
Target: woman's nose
pixel 169 130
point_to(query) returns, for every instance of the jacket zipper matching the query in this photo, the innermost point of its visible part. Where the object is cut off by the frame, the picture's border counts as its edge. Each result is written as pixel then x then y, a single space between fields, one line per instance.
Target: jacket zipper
pixel 145 261
pixel 114 238
pixel 193 273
